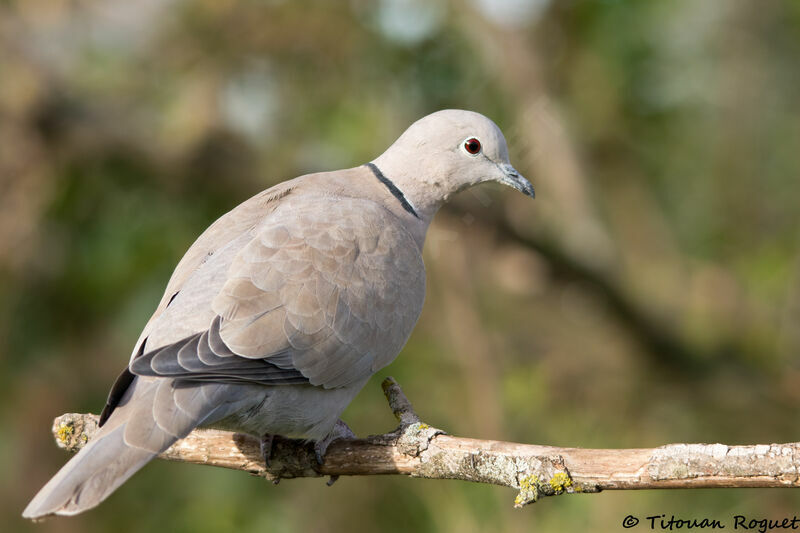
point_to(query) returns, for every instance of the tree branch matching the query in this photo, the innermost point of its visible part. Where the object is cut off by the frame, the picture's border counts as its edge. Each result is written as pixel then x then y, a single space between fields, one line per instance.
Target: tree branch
pixel 419 450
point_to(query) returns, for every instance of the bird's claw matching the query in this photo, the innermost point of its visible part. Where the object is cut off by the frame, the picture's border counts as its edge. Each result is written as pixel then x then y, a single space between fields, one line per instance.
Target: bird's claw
pixel 266 448
pixel 340 431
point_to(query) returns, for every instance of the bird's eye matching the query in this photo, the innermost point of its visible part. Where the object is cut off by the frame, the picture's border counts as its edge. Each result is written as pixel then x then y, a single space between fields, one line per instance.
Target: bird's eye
pixel 472 146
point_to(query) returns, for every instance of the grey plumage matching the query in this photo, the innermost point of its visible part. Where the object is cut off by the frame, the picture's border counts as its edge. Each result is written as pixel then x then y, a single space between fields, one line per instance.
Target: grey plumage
pixel 285 306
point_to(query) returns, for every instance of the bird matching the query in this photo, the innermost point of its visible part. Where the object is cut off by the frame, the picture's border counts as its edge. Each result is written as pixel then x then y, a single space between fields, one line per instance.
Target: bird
pixel 282 309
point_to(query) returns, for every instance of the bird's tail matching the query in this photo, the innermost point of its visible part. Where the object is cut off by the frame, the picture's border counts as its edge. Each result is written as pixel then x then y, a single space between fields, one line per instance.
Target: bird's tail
pixel 108 460
pixel 152 414
pixel 89 477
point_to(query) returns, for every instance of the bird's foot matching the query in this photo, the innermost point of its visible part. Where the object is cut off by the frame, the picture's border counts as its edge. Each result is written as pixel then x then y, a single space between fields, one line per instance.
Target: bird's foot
pixel 266 453
pixel 266 448
pixel 340 431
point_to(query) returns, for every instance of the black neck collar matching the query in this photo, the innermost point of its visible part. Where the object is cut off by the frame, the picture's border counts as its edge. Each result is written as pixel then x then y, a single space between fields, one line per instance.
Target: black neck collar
pixel 397 193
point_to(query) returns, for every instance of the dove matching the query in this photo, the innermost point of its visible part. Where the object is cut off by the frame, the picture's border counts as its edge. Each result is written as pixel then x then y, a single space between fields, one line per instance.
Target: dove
pixel 283 308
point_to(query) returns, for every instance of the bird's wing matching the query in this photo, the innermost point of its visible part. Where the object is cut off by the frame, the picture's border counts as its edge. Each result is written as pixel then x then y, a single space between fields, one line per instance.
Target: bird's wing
pixel 217 237
pixel 327 290
pixel 205 357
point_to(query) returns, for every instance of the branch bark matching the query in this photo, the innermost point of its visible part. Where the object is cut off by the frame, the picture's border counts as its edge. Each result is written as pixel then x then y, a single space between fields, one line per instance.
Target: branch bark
pixel 419 450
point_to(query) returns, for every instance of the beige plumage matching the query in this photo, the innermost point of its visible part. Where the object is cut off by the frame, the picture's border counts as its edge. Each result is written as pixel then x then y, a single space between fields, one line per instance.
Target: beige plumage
pixel 285 306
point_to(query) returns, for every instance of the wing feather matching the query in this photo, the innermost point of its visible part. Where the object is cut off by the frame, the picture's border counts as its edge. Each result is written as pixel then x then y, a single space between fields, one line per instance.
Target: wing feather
pixel 337 285
pixel 324 291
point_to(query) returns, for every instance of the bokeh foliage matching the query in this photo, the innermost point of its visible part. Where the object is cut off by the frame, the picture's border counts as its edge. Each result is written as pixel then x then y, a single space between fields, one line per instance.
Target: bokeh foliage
pixel 650 294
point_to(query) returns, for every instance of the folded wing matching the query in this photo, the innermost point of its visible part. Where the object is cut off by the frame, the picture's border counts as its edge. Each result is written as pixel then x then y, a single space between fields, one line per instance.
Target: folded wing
pixel 325 292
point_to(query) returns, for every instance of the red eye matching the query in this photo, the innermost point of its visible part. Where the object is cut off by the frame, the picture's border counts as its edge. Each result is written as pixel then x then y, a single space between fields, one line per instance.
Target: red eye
pixel 472 146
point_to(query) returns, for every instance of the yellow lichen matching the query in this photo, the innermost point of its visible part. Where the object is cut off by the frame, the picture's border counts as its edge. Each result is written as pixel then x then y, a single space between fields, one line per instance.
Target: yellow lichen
pixel 528 490
pixel 65 432
pixel 560 482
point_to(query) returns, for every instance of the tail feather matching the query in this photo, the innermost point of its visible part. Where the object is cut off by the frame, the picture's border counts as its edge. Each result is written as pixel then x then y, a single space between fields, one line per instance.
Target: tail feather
pixel 89 477
pixel 150 417
pixel 105 463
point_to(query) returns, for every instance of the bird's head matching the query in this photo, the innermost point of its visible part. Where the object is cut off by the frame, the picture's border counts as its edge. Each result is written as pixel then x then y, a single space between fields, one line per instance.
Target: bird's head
pixel 446 152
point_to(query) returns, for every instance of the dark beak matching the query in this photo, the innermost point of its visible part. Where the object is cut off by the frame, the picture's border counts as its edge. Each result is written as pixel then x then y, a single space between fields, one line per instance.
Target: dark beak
pixel 514 179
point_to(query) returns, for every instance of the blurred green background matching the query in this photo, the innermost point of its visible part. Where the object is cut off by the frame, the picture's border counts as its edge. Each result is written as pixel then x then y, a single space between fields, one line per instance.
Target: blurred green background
pixel 650 294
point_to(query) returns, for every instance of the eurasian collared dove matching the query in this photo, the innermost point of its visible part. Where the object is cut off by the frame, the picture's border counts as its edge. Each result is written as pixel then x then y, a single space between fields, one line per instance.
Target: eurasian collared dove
pixel 284 307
